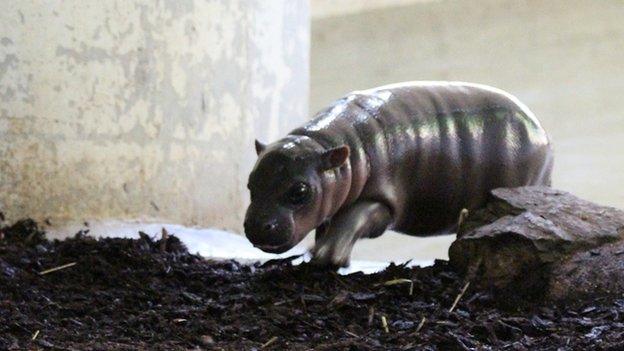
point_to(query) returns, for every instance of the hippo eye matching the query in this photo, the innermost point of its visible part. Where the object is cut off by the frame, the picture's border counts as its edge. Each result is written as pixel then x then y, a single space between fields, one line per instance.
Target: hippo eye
pixel 298 194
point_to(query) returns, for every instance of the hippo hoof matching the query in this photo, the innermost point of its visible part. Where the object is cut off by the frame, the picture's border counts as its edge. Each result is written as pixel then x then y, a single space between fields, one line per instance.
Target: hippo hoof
pixel 325 257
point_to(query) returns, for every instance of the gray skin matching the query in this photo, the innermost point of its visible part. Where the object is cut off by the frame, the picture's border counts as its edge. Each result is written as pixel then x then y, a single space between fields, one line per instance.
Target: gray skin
pixel 407 157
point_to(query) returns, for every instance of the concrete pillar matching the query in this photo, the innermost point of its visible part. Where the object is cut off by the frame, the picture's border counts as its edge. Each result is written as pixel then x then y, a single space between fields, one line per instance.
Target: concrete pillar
pixel 144 109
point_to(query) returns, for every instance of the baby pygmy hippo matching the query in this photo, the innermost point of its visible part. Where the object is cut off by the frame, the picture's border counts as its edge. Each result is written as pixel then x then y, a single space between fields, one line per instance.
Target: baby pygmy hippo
pixel 407 157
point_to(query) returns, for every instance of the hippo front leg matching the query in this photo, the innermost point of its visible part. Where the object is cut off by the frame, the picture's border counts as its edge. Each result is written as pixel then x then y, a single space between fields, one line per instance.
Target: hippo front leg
pixel 335 239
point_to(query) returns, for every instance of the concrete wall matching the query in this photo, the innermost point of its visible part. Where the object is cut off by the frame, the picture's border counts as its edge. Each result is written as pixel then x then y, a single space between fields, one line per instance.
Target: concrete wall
pixel 144 109
pixel 563 58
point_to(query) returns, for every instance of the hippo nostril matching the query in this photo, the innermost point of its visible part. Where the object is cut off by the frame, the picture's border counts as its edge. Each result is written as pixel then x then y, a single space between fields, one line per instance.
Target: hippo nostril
pixel 269 227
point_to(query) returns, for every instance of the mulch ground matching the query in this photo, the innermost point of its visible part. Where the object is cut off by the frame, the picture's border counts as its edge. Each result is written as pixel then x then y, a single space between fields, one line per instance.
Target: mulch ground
pixel 152 294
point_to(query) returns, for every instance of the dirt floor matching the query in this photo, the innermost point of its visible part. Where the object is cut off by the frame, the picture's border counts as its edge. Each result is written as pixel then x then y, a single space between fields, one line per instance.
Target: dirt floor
pixel 145 294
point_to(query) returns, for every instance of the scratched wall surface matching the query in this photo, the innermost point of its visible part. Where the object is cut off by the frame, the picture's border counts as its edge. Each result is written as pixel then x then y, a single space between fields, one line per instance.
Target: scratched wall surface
pixel 144 109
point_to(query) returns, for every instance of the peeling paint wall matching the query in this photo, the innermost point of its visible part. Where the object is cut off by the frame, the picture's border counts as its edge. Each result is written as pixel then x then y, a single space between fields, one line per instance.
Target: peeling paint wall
pixel 144 109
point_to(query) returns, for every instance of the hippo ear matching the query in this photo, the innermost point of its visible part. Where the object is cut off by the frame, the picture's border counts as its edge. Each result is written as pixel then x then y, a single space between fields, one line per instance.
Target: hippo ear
pixel 335 157
pixel 259 147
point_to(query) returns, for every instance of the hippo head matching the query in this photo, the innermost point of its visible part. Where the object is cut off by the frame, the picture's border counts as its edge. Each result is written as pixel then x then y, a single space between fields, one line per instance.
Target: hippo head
pixel 287 190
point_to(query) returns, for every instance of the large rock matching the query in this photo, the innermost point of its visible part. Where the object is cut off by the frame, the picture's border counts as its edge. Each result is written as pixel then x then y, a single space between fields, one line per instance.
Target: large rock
pixel 541 241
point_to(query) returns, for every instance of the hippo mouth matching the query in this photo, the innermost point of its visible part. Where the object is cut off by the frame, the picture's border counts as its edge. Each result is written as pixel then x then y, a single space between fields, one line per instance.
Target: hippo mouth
pixel 276 249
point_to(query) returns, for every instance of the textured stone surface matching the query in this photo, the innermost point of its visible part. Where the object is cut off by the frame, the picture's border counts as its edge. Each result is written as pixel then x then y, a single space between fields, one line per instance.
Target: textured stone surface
pixel 588 273
pixel 126 109
pixel 540 240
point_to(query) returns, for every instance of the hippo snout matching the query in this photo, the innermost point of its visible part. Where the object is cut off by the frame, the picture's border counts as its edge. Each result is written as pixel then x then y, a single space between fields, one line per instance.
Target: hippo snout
pixel 268 234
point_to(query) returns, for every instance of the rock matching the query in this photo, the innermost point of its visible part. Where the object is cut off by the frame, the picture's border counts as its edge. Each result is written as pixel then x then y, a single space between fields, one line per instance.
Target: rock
pixel 539 241
pixel 586 273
